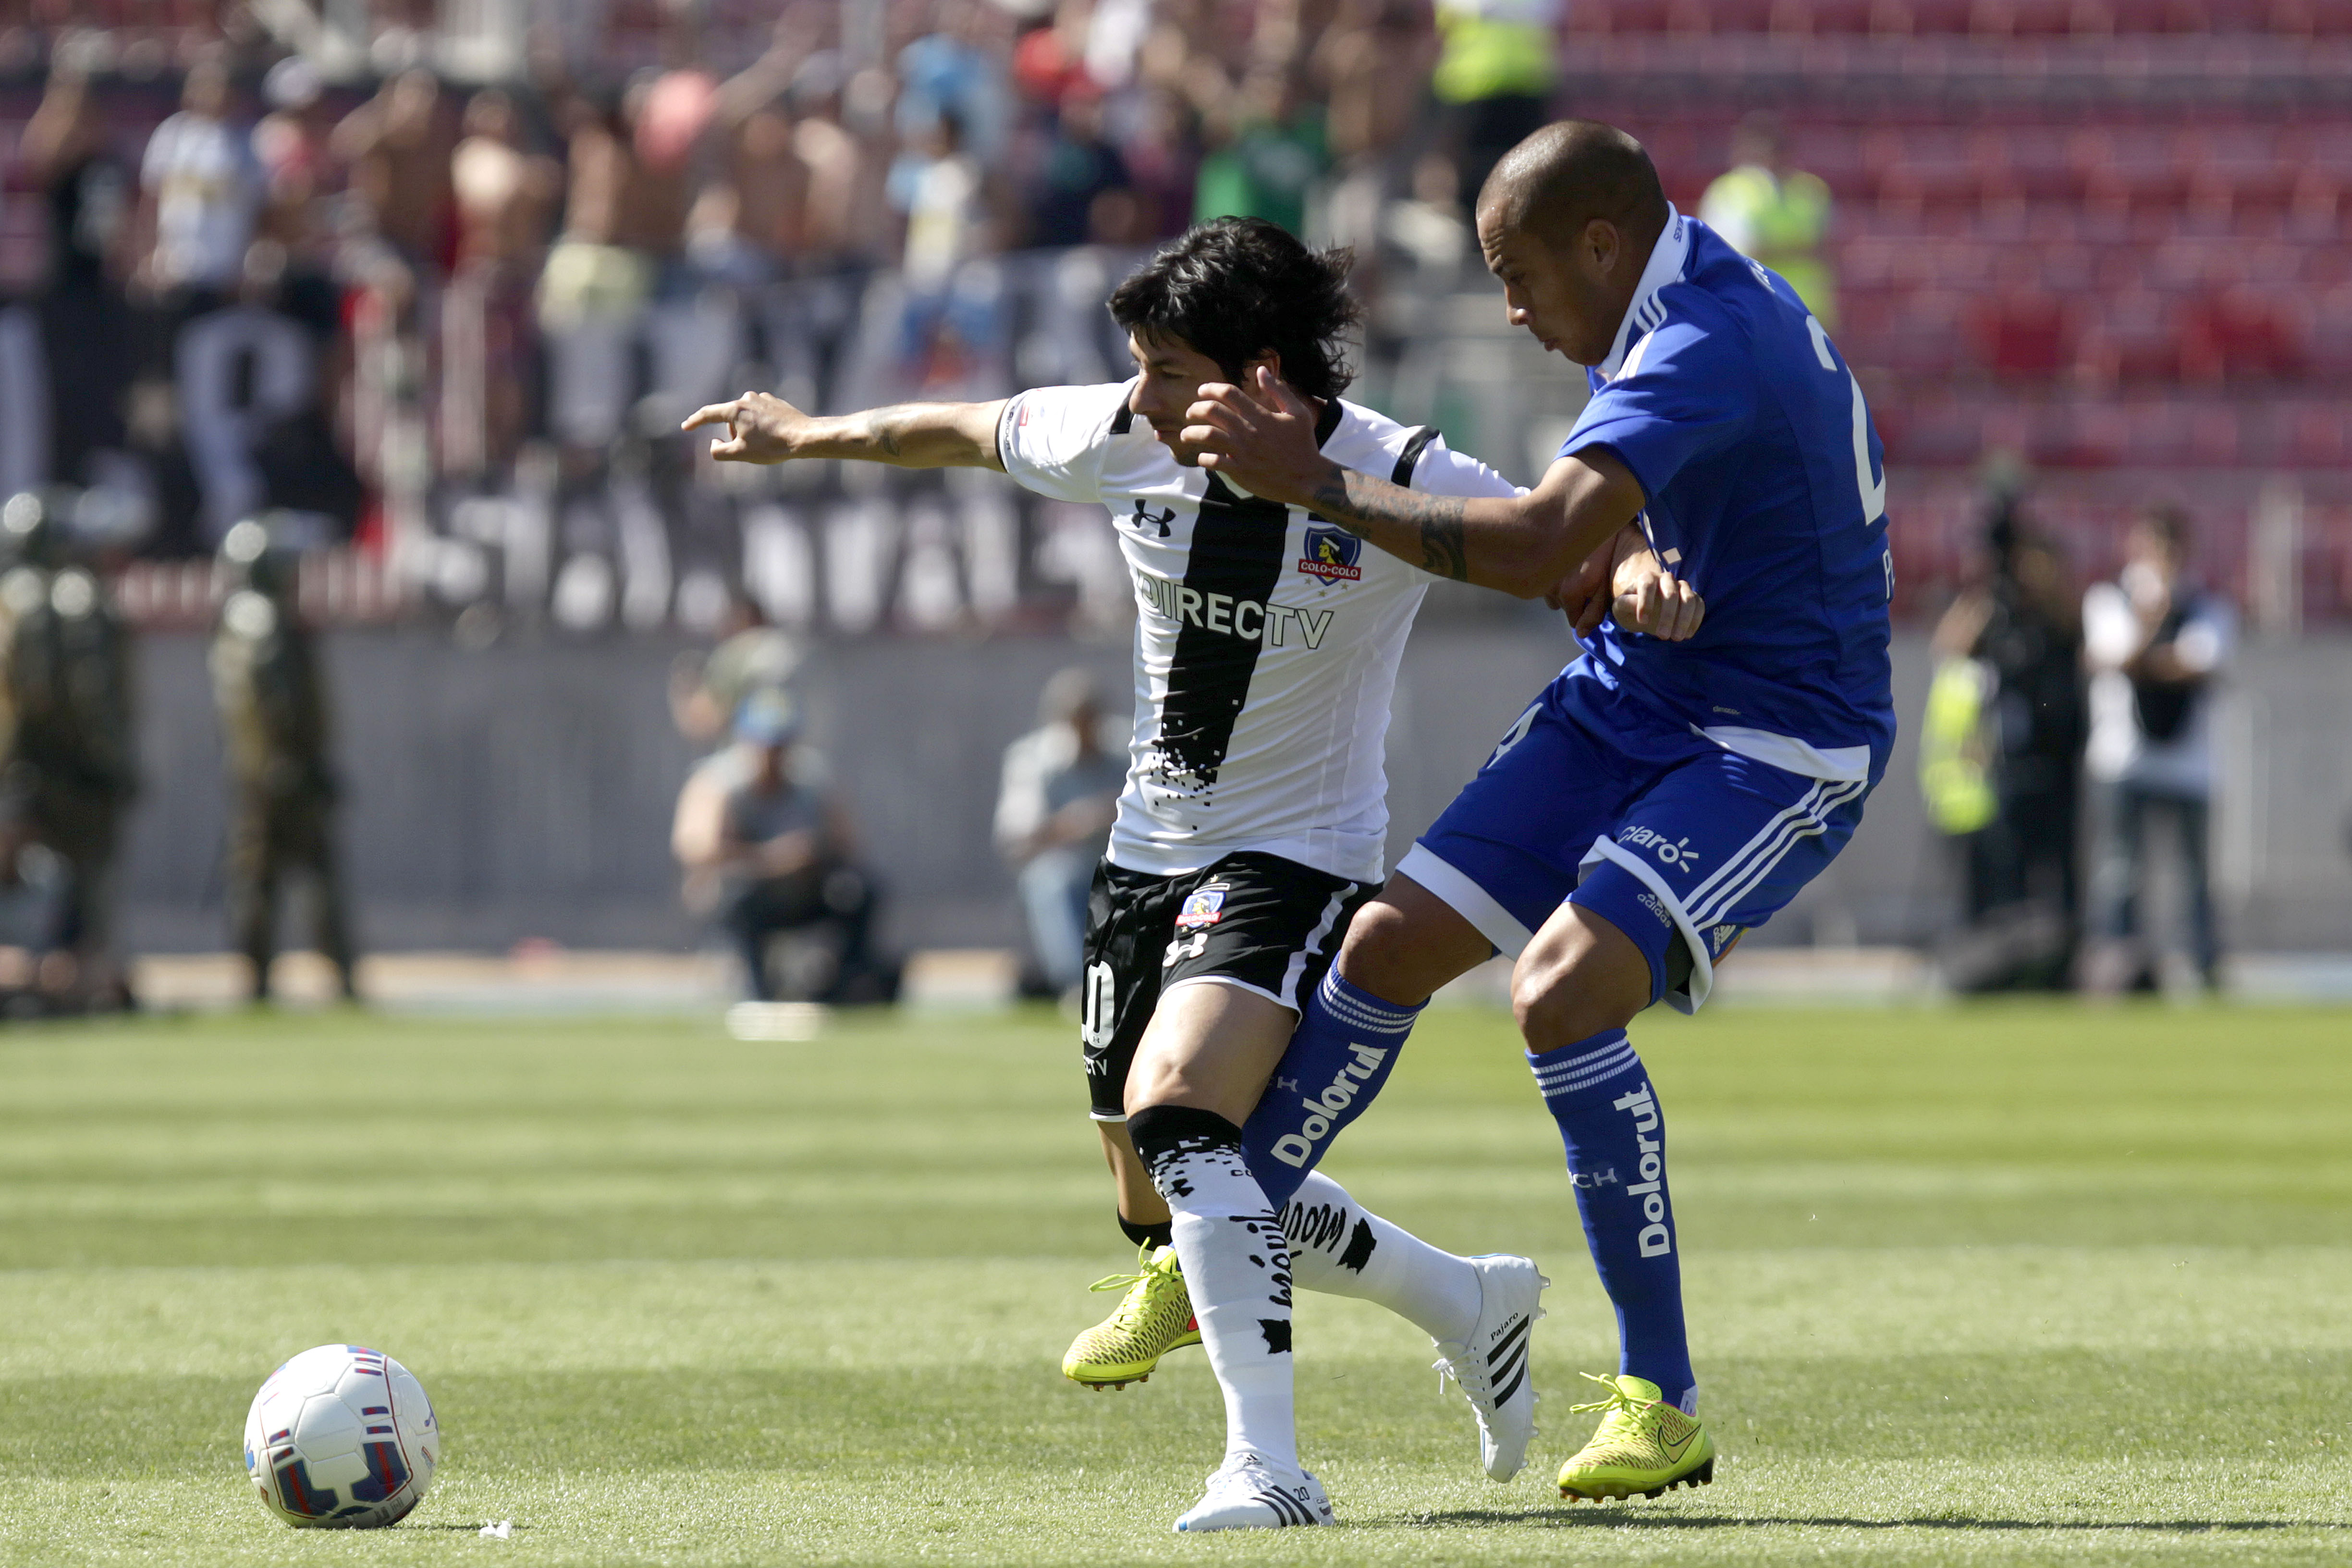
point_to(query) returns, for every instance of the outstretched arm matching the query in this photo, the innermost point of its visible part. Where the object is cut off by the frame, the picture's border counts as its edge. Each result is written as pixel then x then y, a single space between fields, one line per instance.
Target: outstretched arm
pixel 1264 439
pixel 763 428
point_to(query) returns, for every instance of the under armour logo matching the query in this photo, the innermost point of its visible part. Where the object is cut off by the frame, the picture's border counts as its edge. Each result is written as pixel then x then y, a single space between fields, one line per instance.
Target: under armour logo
pixel 1144 514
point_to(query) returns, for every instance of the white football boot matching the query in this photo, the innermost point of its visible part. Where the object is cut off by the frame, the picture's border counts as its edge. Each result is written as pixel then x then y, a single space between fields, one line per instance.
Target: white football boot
pixel 1493 1367
pixel 1247 1493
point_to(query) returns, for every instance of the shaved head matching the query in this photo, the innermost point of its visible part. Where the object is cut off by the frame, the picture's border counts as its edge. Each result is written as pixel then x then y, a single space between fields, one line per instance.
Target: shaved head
pixel 1571 172
pixel 1567 221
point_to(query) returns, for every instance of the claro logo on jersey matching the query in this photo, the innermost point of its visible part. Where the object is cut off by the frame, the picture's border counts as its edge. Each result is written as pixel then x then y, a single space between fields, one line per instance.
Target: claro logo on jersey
pixel 1331 554
pixel 1267 625
pixel 1675 852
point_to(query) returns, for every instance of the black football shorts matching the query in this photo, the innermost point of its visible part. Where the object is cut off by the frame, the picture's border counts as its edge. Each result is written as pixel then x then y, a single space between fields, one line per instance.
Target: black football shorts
pixel 1258 921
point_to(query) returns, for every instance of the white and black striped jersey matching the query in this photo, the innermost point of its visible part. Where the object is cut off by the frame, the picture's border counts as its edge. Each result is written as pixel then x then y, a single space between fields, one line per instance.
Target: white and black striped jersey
pixel 1266 639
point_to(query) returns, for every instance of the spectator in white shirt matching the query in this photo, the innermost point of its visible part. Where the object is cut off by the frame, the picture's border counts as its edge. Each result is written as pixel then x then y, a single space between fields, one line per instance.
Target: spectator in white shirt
pixel 1053 813
pixel 2156 644
pixel 202 187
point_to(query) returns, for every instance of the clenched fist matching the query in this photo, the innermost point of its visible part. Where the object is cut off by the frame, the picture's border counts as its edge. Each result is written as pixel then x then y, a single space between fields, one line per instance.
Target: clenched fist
pixel 1624 580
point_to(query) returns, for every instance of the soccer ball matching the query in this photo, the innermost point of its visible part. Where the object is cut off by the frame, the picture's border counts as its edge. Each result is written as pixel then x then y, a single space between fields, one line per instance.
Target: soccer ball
pixel 340 1437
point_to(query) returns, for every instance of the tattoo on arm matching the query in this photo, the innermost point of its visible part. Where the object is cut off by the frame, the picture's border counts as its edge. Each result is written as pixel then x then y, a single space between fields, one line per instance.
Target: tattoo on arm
pixel 882 429
pixel 1444 553
pixel 1331 503
pixel 1360 504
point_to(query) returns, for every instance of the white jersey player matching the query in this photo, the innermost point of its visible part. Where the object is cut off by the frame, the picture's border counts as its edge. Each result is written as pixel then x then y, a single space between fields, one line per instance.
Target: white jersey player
pixel 1251 828
pixel 1266 640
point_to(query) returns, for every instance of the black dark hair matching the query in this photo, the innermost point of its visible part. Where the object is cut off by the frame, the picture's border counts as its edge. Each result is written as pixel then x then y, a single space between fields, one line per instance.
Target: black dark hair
pixel 1237 286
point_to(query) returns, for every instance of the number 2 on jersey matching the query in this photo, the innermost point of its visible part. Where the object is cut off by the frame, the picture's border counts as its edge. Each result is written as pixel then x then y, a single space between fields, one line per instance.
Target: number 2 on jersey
pixel 1873 491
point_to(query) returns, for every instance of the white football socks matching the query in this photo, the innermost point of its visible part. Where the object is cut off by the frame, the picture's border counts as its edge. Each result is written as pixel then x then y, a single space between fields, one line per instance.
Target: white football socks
pixel 1340 1248
pixel 1238 1271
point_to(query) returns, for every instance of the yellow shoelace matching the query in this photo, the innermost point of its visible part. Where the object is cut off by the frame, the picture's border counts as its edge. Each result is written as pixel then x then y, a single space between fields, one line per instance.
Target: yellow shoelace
pixel 1618 1398
pixel 1120 1281
pixel 1128 1282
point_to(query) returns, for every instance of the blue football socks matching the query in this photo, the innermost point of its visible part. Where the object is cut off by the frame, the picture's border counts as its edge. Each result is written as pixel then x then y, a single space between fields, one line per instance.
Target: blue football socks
pixel 1343 1051
pixel 1616 1140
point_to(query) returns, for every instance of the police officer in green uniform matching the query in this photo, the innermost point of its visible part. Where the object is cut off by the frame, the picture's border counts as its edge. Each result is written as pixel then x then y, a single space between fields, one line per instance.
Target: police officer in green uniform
pixel 1775 214
pixel 67 727
pixel 273 709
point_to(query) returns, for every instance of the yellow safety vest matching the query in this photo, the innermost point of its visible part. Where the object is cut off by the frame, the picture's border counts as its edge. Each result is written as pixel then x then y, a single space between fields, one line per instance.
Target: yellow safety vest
pixel 1955 777
pixel 1483 57
pixel 1783 223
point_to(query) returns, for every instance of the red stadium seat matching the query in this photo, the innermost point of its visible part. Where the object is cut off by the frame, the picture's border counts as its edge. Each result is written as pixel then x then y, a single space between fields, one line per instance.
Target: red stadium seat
pixel 2316 205
pixel 1924 16
pixel 2312 18
pixel 2024 334
pixel 1932 428
pixel 2328 343
pixel 2134 338
pixel 1914 172
pixel 2019 19
pixel 2236 167
pixel 2069 269
pixel 2241 334
pixel 1618 16
pixel 1918 339
pixel 2238 15
pixel 2038 164
pixel 1965 264
pixel 2317 436
pixel 2098 434
pixel 2159 432
pixel 1834 153
pixel 1826 18
pixel 1698 19
pixel 2122 170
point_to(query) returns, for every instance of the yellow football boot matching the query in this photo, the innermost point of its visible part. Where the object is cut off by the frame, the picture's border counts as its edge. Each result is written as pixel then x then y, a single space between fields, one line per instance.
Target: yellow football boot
pixel 1643 1445
pixel 1155 1317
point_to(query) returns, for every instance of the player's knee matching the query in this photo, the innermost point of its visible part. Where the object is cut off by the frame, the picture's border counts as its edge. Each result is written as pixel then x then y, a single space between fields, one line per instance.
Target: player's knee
pixel 1546 1010
pixel 1381 955
pixel 1560 1001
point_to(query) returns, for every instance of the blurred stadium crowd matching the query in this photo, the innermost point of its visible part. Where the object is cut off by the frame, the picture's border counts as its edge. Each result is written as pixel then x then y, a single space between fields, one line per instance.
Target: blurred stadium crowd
pixel 439 278
pixel 445 320
pixel 424 287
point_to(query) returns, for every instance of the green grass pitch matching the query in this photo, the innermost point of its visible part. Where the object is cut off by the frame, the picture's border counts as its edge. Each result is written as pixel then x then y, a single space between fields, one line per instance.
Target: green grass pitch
pixel 2002 1284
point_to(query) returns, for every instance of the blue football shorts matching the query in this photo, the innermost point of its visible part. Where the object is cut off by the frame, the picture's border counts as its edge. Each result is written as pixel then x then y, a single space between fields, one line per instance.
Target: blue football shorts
pixel 1593 799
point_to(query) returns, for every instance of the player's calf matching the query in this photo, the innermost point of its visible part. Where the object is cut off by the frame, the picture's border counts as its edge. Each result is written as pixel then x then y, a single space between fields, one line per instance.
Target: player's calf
pixel 1237 1268
pixel 1480 1312
pixel 1343 1051
pixel 1614 1131
pixel 1350 1031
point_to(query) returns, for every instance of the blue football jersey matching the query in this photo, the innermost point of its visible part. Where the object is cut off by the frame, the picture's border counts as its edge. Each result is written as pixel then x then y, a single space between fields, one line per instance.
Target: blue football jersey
pixel 1766 491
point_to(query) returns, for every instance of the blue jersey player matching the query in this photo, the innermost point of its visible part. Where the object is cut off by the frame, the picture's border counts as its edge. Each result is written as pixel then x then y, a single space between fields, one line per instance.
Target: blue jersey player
pixel 1664 794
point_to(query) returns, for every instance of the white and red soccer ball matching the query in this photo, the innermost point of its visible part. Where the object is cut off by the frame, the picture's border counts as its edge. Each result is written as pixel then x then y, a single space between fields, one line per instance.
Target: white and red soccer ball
pixel 340 1437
